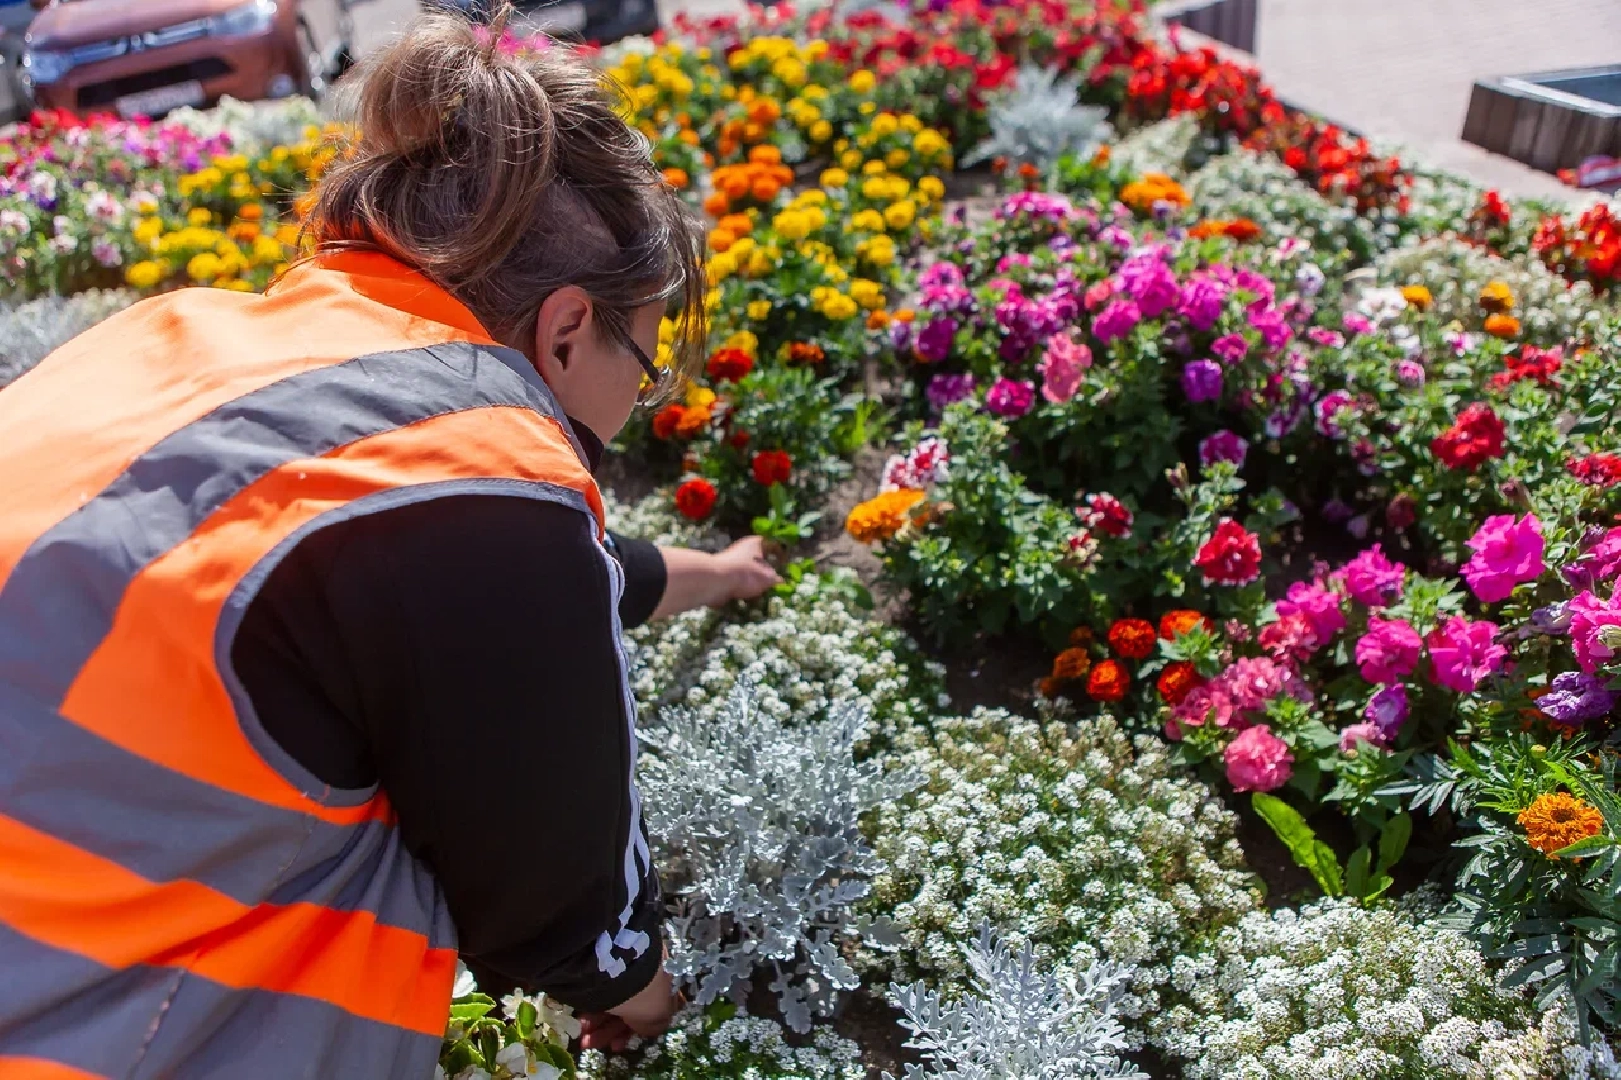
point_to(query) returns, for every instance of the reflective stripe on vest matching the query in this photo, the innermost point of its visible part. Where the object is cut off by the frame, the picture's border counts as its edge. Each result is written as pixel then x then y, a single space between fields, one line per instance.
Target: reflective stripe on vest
pixel 177 895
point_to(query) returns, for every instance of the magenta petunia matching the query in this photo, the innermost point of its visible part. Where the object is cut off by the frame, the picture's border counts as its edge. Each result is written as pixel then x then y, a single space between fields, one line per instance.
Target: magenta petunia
pixel 1224 445
pixel 1372 579
pixel 1062 368
pixel 1116 321
pixel 1388 651
pixel 1595 630
pixel 1318 603
pixel 1507 552
pixel 1465 653
pixel 1009 398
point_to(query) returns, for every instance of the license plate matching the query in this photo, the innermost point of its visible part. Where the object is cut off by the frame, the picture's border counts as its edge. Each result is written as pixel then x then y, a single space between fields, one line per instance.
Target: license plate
pixel 162 100
pixel 557 18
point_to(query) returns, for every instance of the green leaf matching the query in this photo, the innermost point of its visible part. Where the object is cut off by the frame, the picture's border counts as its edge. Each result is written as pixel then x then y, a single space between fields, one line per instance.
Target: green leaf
pixel 1393 841
pixel 1356 872
pixel 527 1016
pixel 469 1011
pixel 1312 854
pixel 1586 846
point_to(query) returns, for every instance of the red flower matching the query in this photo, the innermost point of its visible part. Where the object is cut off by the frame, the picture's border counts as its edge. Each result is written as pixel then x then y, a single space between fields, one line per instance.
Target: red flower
pixel 1291 638
pixel 1474 438
pixel 1132 638
pixel 667 421
pixel 1596 470
pixel 738 439
pixel 1108 681
pixel 1107 514
pixel 730 365
pixel 1177 681
pixel 1230 557
pixel 695 498
pixel 772 467
pixel 1173 624
pixel 1531 363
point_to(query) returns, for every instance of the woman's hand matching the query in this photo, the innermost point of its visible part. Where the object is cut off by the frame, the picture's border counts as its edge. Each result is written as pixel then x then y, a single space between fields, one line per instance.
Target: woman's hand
pixel 745 570
pixel 647 1015
pixel 695 579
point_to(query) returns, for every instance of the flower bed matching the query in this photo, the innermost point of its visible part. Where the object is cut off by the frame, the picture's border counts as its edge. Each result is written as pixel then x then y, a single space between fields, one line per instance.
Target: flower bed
pixel 1299 466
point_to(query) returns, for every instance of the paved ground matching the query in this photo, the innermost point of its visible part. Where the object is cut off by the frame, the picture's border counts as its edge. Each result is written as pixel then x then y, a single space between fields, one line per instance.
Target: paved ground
pixel 1402 69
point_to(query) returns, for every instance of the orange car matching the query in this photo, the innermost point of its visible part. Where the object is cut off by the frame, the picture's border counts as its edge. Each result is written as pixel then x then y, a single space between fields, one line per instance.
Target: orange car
pixel 146 57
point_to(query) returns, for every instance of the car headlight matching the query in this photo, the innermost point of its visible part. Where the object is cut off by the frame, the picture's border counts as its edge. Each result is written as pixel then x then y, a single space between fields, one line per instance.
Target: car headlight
pixel 248 20
pixel 44 66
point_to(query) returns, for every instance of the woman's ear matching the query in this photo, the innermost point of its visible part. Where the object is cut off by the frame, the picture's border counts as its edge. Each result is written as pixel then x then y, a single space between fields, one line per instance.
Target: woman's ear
pixel 565 316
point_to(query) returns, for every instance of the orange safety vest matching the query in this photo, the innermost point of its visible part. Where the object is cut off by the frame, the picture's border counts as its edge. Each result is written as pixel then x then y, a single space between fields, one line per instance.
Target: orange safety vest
pixel 178 897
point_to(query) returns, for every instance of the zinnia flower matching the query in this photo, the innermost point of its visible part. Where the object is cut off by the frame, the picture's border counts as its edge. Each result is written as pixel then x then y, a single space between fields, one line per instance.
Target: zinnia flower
pixel 1108 681
pixel 882 516
pixel 1258 760
pixel 1554 822
pixel 1132 639
pixel 1372 579
pixel 772 467
pixel 695 498
pixel 1507 552
pixel 1465 653
pixel 1177 681
pixel 1232 555
pixel 1389 650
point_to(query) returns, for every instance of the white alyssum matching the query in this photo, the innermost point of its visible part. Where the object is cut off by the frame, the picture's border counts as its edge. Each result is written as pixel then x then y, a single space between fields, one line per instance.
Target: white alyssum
pixel 720 1044
pixel 1336 991
pixel 1550 309
pixel 1080 841
pixel 254 127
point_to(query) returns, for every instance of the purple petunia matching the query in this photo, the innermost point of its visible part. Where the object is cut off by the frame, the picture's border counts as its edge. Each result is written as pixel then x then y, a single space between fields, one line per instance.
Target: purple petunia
pixel 1201 380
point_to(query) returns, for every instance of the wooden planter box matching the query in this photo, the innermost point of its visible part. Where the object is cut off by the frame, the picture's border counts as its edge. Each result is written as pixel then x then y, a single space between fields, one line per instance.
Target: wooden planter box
pixel 1231 22
pixel 1550 121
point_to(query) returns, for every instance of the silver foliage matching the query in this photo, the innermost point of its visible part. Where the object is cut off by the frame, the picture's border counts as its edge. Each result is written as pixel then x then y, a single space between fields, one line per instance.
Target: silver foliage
pixel 1020 1023
pixel 757 820
pixel 1039 121
pixel 29 332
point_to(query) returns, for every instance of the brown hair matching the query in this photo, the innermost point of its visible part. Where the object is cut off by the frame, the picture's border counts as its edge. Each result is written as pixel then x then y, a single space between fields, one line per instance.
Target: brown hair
pixel 505 177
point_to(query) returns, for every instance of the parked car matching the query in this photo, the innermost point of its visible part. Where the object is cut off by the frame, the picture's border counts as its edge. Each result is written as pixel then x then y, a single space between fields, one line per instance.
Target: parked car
pixel 599 21
pixel 15 15
pixel 146 57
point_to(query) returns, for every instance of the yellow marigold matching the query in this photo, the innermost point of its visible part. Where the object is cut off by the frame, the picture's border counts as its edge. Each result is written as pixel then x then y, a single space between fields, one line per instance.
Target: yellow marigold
pixel 931 188
pixel 699 397
pixel 885 124
pixel 834 178
pixel 821 131
pixel 863 81
pixel 759 310
pixel 1417 296
pixel 743 339
pixel 868 220
pixel 868 293
pixel 882 516
pixel 1503 326
pixel 896 158
pixel 143 275
pixel 1496 297
pixel 850 159
pixel 839 307
pixel 199 215
pixel 899 215
pixel 1559 820
pixel 204 267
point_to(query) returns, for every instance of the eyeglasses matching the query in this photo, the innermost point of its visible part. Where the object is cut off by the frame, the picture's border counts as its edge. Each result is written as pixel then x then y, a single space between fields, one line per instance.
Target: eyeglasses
pixel 655 377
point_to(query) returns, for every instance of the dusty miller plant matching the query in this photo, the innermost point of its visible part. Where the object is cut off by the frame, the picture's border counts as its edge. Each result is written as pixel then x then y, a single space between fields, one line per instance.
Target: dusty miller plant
pixel 29 332
pixel 1019 1022
pixel 758 821
pixel 1039 121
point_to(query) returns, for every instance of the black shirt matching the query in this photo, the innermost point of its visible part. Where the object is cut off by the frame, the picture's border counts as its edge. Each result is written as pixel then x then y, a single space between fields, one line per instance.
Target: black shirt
pixel 461 652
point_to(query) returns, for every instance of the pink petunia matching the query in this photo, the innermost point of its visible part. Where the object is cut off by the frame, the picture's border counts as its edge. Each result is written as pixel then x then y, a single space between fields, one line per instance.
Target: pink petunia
pixel 1258 760
pixel 1372 579
pixel 1318 603
pixel 1062 368
pixel 1507 552
pixel 1388 651
pixel 1465 653
pixel 1591 633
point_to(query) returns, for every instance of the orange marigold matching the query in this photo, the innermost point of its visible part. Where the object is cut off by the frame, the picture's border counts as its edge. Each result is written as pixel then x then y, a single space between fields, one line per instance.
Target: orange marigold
pixel 1108 681
pixel 1559 820
pixel 1132 638
pixel 1503 326
pixel 1418 296
pixel 1177 681
pixel 1173 624
pixel 1141 195
pixel 1496 297
pixel 693 420
pixel 883 515
pixel 676 178
pixel 1081 635
pixel 1071 664
pixel 667 421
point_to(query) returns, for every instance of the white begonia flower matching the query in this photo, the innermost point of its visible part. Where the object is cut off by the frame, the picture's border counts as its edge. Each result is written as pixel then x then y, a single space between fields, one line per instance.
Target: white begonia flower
pixel 465 983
